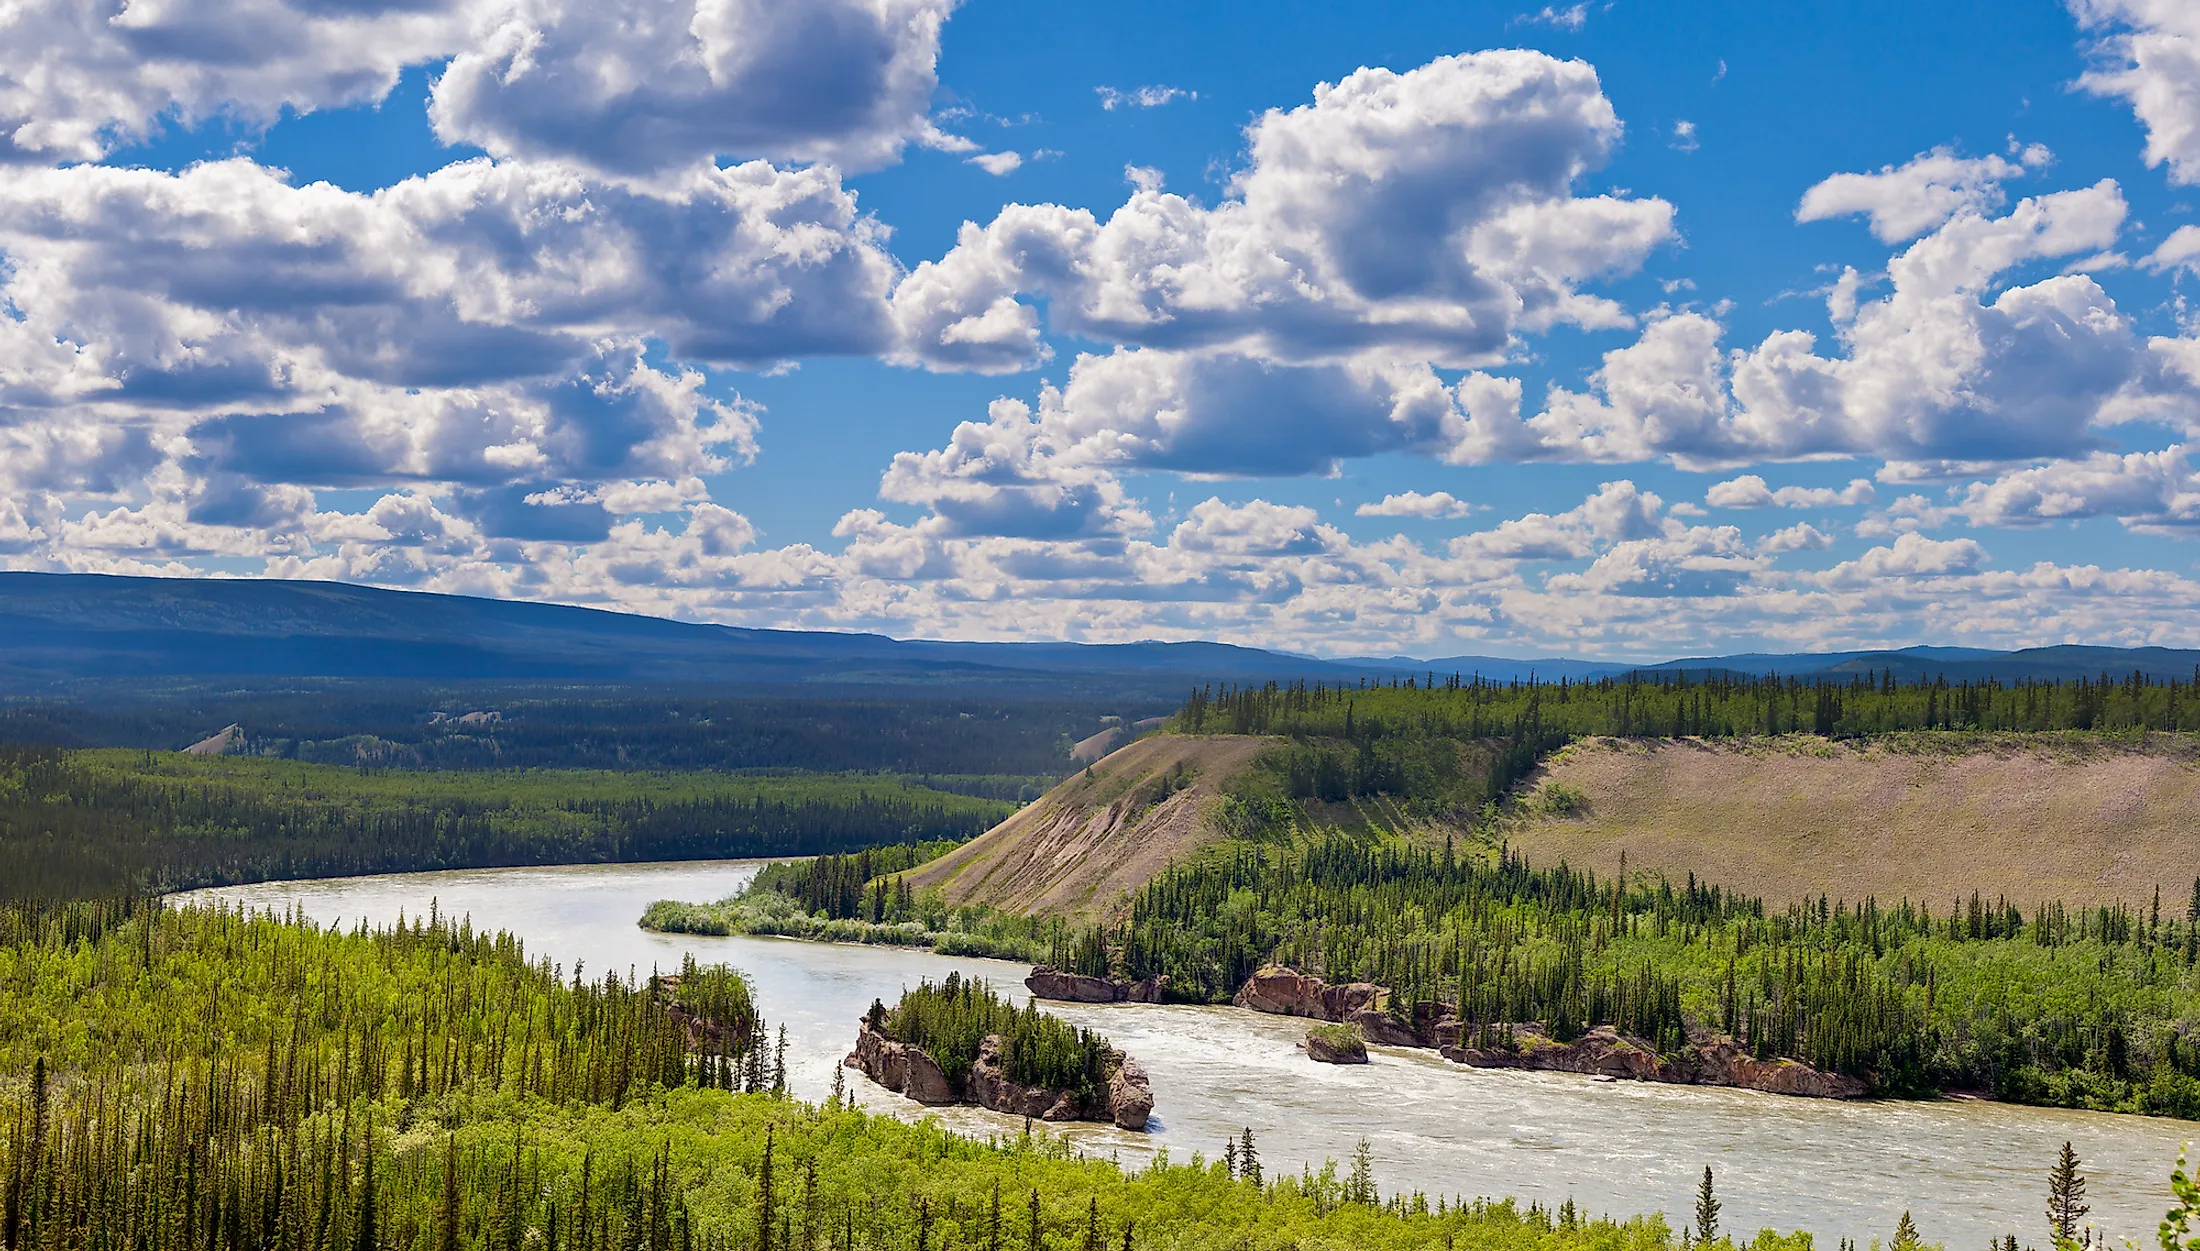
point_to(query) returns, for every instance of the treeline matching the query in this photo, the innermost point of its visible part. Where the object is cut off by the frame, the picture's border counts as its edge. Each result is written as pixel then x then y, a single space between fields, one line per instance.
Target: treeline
pixel 1466 707
pixel 416 725
pixel 83 824
pixel 2087 1008
pixel 210 1081
pixel 864 885
pixel 949 1019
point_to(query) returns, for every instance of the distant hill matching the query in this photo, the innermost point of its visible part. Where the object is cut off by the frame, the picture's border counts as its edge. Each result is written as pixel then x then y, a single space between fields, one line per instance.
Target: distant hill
pixel 62 628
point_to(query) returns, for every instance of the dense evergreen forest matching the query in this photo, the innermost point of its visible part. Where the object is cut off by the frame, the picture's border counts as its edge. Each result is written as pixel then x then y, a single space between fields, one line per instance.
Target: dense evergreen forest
pixel 212 1081
pixel 949 1019
pixel 543 726
pixel 78 824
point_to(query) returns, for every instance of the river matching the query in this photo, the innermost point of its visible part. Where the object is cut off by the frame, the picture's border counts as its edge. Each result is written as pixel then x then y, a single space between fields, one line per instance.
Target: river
pixel 1967 1171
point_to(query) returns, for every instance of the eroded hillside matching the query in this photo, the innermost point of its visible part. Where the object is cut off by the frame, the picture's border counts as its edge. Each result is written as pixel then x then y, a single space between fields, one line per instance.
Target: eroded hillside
pixel 1099 835
pixel 1918 816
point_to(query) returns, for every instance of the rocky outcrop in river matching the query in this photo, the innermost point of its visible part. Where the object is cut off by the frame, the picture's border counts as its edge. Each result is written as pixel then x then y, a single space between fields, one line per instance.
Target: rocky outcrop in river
pixel 1330 1045
pixel 1048 982
pixel 906 1070
pixel 1707 1059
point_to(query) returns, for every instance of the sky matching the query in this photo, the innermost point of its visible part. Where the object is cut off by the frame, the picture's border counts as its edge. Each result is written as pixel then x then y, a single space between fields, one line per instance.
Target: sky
pixel 1390 329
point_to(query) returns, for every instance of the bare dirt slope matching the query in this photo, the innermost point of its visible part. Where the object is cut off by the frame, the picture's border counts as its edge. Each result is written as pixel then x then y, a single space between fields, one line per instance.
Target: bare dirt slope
pixel 1083 847
pixel 1906 818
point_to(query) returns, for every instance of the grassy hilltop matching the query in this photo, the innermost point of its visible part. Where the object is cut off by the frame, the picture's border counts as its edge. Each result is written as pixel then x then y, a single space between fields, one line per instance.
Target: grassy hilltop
pixel 1924 816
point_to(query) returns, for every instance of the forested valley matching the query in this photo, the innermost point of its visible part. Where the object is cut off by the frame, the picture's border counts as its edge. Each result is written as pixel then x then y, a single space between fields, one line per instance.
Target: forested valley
pixel 1368 844
pixel 487 725
pixel 196 1079
pixel 88 823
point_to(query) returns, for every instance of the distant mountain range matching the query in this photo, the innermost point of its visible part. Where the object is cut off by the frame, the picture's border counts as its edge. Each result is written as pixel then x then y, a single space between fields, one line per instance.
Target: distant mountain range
pixel 65 628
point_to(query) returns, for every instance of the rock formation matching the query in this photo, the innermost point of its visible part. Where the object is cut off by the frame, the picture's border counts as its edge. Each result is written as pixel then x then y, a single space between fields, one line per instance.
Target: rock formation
pixel 1287 992
pixel 1328 1046
pixel 1048 982
pixel 1707 1059
pixel 901 1068
pixel 906 1070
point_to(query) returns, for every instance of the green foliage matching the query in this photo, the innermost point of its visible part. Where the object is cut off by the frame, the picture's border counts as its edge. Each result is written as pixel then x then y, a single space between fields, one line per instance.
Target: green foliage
pixel 1469 709
pixel 904 918
pixel 75 824
pixel 949 1020
pixel 1561 800
pixel 2175 1232
pixel 1344 1036
pixel 851 886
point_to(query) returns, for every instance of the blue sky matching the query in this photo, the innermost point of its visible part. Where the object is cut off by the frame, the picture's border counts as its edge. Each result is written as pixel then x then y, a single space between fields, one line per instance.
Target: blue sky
pixel 1385 328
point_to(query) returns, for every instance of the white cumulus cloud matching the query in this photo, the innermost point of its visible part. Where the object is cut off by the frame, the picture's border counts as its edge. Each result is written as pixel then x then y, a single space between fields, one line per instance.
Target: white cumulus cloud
pixel 1905 201
pixel 2147 52
pixel 1414 504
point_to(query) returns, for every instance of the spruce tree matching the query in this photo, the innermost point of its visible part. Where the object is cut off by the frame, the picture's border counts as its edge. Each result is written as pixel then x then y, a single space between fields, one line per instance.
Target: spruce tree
pixel 367 1235
pixel 447 1218
pixel 764 1204
pixel 2066 1204
pixel 1707 1209
pixel 1034 1230
pixel 1360 1186
pixel 1248 1159
pixel 1905 1235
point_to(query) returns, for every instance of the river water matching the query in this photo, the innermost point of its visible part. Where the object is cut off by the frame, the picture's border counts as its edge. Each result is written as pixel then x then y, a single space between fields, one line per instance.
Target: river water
pixel 1967 1171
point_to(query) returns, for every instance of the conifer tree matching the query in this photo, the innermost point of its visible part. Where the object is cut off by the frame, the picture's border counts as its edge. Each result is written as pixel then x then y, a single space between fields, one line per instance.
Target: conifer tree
pixel 2066 1204
pixel 1248 1158
pixel 366 1236
pixel 447 1217
pixel 1035 1244
pixel 764 1205
pixel 1707 1209
pixel 1905 1234
pixel 1360 1185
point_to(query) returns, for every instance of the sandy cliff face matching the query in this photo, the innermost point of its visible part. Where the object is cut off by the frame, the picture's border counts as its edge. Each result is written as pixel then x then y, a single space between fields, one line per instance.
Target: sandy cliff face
pixel 1908 817
pixel 1081 850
